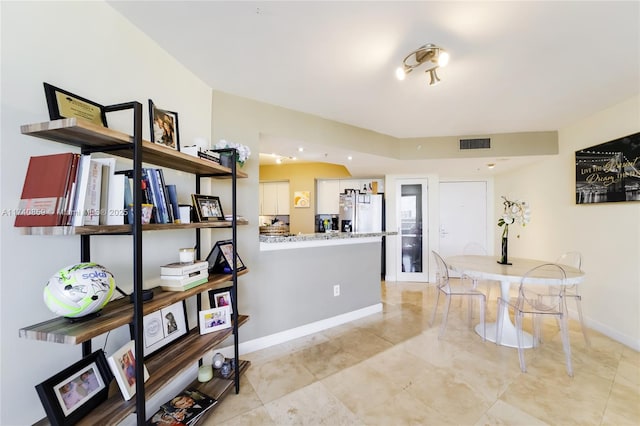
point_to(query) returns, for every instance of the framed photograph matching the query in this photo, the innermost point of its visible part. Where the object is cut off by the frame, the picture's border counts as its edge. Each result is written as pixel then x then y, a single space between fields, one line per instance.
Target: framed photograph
pixel 207 207
pixel 63 104
pixel 164 326
pixel 123 366
pixel 164 127
pixel 608 172
pixel 301 199
pixel 220 258
pixel 74 392
pixel 223 299
pixel 215 319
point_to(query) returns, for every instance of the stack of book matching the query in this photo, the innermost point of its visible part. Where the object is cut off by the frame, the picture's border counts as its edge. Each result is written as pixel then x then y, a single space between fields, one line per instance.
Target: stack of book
pixel 186 408
pixel 180 276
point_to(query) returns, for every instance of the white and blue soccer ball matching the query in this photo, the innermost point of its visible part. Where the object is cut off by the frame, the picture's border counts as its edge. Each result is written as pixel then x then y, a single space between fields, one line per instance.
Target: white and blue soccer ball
pixel 79 290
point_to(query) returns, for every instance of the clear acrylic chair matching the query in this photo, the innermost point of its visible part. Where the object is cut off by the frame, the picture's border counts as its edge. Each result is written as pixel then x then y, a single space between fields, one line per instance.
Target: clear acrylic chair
pixel 448 288
pixel 574 258
pixel 538 300
pixel 474 248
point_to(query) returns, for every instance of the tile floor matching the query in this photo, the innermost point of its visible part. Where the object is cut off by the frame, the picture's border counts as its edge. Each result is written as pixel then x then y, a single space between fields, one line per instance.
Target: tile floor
pixel 391 369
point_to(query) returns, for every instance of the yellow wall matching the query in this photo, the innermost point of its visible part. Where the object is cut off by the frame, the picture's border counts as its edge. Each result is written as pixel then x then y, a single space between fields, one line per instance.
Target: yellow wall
pixel 302 177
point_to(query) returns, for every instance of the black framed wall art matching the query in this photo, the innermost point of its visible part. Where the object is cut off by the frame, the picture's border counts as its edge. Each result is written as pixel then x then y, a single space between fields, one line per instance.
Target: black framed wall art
pixel 609 172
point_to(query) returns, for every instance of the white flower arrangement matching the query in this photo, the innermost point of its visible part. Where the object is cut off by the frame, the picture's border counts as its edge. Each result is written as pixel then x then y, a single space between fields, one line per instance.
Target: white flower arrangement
pixel 243 151
pixel 514 212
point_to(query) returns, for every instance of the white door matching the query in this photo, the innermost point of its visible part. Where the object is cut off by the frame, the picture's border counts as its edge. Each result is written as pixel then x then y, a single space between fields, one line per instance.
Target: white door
pixel 412 213
pixel 463 216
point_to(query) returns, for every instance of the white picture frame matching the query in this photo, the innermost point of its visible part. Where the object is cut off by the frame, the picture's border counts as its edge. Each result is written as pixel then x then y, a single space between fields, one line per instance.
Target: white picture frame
pixel 223 299
pixel 123 366
pixel 164 326
pixel 215 319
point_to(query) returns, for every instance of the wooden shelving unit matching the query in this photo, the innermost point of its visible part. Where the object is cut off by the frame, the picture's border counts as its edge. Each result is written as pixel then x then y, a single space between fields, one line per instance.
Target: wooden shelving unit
pixel 178 357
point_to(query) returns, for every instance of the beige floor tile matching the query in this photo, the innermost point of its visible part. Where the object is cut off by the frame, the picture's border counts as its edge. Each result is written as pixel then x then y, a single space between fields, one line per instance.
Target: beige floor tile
pixel 502 413
pixel 623 406
pixel 390 368
pixel 311 405
pixel 273 379
pixel 256 417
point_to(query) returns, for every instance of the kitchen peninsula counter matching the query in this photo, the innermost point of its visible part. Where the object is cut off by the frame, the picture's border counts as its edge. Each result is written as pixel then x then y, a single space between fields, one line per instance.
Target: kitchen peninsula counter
pixel 280 242
pixel 317 281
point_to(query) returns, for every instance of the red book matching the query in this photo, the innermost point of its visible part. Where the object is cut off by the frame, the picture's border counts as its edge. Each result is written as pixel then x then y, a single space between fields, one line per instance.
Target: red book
pixel 46 184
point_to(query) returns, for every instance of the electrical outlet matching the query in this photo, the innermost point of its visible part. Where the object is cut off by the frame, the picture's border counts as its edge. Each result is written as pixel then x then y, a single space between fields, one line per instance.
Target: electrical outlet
pixel 336 290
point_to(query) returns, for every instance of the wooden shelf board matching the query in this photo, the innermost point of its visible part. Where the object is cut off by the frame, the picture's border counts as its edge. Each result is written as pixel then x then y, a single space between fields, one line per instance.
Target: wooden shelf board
pixel 115 314
pixel 178 358
pixel 81 133
pixel 124 229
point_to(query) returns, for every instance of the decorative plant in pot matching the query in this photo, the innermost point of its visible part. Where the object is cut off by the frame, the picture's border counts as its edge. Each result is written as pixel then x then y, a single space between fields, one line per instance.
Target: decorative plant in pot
pixel 514 212
pixel 225 157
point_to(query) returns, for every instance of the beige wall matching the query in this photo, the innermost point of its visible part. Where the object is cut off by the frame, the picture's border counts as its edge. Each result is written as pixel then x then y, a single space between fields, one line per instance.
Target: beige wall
pixel 302 177
pixel 608 234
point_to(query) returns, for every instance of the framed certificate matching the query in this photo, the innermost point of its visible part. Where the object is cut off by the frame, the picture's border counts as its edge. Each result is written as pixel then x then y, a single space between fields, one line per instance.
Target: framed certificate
pixel 63 104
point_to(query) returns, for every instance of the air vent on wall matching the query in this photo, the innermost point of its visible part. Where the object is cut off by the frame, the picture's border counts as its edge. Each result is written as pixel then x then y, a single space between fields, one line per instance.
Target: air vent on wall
pixel 482 143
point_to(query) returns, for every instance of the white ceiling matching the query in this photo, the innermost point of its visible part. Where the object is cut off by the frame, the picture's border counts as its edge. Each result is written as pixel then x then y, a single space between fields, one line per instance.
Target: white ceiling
pixel 515 66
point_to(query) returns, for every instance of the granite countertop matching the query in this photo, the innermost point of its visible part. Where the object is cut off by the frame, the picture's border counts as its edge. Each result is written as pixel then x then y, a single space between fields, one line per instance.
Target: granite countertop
pixel 322 236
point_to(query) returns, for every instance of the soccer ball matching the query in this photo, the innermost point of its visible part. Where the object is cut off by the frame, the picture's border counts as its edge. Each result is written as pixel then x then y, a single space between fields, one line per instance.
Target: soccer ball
pixel 79 290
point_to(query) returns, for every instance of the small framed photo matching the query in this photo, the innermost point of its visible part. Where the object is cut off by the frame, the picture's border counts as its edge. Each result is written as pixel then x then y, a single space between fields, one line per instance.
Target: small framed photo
pixel 223 299
pixel 220 258
pixel 215 319
pixel 63 104
pixel 208 207
pixel 164 326
pixel 74 392
pixel 164 127
pixel 123 366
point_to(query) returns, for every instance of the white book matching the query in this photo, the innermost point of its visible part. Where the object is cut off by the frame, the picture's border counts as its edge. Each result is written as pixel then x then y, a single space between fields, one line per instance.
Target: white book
pixel 190 276
pixel 123 365
pixel 94 190
pixel 77 209
pixel 114 210
pixel 181 269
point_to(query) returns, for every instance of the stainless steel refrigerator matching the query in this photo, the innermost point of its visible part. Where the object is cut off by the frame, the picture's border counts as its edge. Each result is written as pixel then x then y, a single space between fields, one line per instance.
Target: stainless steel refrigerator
pixel 361 212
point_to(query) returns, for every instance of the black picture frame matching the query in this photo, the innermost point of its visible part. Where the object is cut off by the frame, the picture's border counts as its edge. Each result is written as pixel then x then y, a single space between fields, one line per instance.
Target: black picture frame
pixel 164 127
pixel 220 258
pixel 208 207
pixel 64 104
pixel 164 327
pixel 83 393
pixel 608 172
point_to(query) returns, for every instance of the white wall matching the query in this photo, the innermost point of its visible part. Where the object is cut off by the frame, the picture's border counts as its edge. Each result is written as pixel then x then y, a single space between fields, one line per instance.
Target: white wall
pixel 608 234
pixel 89 49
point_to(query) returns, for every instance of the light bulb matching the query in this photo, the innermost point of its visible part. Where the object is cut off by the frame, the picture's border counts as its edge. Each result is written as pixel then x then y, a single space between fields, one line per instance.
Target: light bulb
pixel 400 74
pixel 443 58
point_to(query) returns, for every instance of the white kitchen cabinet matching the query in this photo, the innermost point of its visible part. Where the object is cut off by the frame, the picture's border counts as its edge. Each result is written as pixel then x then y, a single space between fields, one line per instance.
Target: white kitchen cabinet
pixel 274 198
pixel 328 196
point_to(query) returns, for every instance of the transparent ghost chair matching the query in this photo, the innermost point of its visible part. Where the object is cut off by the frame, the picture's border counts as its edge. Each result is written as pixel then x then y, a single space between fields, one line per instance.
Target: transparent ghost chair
pixel 574 259
pixel 539 300
pixel 448 288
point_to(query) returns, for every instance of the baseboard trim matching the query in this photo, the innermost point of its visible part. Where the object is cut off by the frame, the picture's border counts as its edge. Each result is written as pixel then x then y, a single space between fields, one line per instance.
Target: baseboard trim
pixel 297 332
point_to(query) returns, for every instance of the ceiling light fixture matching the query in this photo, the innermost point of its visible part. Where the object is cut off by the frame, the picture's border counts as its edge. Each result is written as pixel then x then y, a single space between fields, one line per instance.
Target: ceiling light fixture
pixel 434 56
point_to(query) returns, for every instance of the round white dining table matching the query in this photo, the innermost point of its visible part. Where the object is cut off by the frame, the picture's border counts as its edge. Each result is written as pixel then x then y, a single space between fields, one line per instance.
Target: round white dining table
pixel 487 268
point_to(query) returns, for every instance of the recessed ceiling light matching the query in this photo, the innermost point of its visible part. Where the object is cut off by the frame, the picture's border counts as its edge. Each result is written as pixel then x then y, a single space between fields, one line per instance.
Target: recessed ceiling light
pixel 301 149
pixel 491 165
pixel 349 158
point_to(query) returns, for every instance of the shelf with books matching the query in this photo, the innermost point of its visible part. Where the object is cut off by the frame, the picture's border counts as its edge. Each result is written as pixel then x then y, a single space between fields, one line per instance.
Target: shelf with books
pixel 116 314
pixel 125 229
pixel 172 360
pixel 81 133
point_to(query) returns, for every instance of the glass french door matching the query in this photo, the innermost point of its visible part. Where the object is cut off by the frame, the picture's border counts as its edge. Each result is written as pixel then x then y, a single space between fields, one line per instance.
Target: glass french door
pixel 412 214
